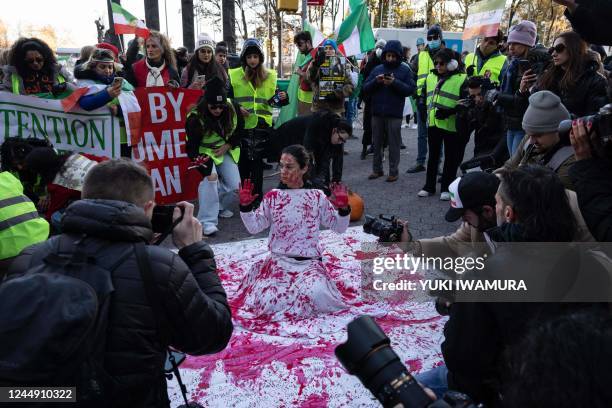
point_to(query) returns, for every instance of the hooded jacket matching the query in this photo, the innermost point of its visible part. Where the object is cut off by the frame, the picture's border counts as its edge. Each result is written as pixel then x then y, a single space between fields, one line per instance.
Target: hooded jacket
pixel 197 315
pixel 388 101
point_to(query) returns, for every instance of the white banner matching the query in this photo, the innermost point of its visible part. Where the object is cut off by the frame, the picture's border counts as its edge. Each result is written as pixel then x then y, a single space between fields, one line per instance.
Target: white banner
pixel 95 132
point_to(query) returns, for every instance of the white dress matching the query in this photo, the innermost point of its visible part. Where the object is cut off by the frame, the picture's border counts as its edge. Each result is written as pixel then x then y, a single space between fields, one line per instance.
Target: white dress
pixel 281 286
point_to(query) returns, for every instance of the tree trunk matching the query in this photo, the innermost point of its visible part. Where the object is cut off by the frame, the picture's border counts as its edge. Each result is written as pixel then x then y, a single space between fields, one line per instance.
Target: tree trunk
pixel 152 14
pixel 244 24
pixel 429 12
pixel 279 53
pixel 188 26
pixel 229 24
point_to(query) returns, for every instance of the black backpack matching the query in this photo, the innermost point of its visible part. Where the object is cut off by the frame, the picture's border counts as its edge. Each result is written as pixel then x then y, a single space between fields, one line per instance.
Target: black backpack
pixel 54 318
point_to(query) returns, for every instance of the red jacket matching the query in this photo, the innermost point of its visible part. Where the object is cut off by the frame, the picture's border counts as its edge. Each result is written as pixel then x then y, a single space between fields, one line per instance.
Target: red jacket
pixel 141 71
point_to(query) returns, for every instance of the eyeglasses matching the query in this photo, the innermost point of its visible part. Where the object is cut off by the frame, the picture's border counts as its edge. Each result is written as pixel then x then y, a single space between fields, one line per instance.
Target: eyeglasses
pixel 33 60
pixel 217 106
pixel 439 63
pixel 432 37
pixel 559 48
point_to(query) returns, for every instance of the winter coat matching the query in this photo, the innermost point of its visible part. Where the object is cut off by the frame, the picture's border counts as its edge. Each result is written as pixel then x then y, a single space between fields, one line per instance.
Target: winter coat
pixel 9 70
pixel 586 96
pixel 591 178
pixel 197 315
pixel 388 101
pixel 136 70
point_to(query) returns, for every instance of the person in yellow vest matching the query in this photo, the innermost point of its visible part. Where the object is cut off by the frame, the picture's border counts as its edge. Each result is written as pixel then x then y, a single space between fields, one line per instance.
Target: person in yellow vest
pixel 213 132
pixel 444 87
pixel 34 70
pixel 254 88
pixel 423 66
pixel 488 61
pixel 303 40
pixel 20 225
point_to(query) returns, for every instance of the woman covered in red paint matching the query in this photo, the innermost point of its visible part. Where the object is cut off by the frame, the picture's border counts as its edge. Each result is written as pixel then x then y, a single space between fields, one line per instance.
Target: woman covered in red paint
pixel 292 281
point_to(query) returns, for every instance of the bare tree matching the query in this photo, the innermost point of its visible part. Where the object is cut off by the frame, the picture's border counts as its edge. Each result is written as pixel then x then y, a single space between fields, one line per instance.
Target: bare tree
pixel 243 28
pixel 210 10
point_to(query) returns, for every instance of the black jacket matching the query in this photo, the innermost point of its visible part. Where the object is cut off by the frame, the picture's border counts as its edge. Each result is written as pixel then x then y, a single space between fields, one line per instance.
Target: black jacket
pixel 592 180
pixel 590 20
pixel 197 313
pixel 487 125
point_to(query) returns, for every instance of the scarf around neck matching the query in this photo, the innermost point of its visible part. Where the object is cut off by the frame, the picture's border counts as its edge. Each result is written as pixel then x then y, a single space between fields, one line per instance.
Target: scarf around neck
pixel 154 77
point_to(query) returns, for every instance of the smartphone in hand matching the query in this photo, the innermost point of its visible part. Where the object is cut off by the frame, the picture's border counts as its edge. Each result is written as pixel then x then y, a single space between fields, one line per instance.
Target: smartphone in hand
pixel 118 81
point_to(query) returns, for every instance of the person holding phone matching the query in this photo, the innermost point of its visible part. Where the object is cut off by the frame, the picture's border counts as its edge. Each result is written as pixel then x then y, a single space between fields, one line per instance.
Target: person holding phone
pixel 203 65
pixel 99 74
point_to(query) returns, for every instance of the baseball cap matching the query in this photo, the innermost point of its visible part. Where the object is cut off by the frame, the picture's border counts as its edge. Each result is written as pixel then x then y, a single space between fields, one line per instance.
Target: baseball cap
pixel 472 190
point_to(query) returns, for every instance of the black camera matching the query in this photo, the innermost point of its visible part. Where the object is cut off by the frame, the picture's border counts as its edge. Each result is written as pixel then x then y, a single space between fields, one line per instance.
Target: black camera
pixel 602 125
pixel 386 229
pixel 367 354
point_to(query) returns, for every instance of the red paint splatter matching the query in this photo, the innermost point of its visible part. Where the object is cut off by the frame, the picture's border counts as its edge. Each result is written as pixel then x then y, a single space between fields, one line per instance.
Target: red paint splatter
pixel 315 401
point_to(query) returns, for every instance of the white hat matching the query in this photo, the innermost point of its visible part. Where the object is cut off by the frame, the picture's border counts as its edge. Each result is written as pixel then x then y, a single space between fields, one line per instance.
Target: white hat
pixel 205 41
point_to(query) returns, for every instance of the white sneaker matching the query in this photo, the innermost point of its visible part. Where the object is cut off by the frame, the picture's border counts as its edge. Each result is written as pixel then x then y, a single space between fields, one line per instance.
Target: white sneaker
pixel 424 193
pixel 210 229
pixel 445 196
pixel 226 214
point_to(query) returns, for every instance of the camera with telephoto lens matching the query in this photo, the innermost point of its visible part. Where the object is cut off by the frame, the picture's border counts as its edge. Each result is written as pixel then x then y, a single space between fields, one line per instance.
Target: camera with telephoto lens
pixel 386 229
pixel 367 354
pixel 602 126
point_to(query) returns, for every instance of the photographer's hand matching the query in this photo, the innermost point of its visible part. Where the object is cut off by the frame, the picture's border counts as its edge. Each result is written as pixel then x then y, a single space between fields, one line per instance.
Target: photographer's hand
pixel 527 81
pixel 579 137
pixel 189 230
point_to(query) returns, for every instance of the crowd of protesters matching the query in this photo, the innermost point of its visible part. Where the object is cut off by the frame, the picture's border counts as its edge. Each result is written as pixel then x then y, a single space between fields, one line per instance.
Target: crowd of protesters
pixel 530 110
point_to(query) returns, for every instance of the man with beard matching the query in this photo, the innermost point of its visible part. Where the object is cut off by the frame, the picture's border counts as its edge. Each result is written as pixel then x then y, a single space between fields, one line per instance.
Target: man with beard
pixel 472 200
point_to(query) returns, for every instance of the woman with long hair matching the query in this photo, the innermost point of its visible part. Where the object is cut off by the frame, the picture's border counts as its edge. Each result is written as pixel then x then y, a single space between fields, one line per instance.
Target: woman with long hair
pixel 253 87
pixel 293 280
pixel 213 134
pixel 34 70
pixel 157 68
pixel 203 63
pixel 573 76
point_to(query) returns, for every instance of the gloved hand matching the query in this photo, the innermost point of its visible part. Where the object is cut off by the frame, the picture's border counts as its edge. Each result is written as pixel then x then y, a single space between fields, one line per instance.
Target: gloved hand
pixel 319 57
pixel 199 164
pixel 444 113
pixel 339 195
pixel 246 193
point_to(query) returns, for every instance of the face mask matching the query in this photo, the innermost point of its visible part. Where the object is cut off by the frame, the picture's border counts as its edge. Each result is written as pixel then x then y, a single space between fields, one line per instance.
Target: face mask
pixel 434 44
pixel 378 52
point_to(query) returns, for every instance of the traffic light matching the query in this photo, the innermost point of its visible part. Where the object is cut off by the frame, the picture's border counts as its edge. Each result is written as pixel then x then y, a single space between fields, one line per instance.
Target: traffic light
pixel 415 24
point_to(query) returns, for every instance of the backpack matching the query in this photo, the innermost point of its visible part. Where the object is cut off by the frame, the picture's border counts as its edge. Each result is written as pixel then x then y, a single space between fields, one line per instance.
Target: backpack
pixel 54 319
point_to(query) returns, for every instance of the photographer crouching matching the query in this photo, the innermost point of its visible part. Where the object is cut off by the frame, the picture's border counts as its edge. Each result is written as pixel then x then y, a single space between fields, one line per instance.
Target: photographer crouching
pixel 591 174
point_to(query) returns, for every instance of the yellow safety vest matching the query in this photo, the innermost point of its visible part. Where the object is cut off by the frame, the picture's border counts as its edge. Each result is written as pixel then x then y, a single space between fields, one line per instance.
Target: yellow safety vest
pixel 425 66
pixel 251 99
pixel 20 225
pixel 304 96
pixel 212 141
pixel 494 65
pixel 16 84
pixel 444 97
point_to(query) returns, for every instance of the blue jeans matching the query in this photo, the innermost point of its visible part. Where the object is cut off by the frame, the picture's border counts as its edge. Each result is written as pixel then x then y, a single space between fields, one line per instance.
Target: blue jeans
pixel 435 379
pixel 218 195
pixel 350 110
pixel 513 139
pixel 422 137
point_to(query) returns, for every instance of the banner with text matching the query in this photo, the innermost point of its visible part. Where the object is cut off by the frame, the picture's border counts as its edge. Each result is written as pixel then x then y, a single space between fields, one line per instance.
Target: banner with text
pixel 484 18
pixel 95 132
pixel 162 146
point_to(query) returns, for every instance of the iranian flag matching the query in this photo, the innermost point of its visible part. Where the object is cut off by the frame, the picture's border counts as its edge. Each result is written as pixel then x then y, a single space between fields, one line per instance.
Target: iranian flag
pixel 355 34
pixel 484 18
pixel 317 36
pixel 126 23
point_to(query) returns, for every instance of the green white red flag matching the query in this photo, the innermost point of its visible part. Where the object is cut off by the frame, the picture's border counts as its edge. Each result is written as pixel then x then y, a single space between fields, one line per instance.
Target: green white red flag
pixel 126 23
pixel 355 35
pixel 484 18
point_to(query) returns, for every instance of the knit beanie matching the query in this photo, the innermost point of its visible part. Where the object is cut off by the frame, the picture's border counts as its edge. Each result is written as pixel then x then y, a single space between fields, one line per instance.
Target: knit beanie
pixel 215 91
pixel 204 41
pixel 524 33
pixel 544 113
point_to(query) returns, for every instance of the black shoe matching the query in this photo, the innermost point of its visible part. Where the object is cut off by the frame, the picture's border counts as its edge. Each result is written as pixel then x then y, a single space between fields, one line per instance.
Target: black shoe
pixel 370 150
pixel 417 168
pixel 402 147
pixel 362 156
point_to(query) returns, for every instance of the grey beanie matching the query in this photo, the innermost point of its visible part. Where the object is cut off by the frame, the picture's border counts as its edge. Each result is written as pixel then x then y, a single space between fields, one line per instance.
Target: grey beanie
pixel 544 113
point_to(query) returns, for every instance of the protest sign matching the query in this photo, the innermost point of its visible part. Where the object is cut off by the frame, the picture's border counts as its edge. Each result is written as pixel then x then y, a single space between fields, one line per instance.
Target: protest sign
pixel 331 76
pixel 95 132
pixel 162 147
pixel 484 18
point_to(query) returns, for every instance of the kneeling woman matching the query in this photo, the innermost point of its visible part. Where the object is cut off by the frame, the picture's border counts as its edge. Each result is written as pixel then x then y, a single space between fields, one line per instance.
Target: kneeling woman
pixel 292 281
pixel 212 132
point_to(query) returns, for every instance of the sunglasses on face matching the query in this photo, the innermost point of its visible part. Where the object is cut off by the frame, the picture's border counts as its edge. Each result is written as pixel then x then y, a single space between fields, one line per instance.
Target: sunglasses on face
pixel 439 63
pixel 33 60
pixel 432 37
pixel 217 106
pixel 559 48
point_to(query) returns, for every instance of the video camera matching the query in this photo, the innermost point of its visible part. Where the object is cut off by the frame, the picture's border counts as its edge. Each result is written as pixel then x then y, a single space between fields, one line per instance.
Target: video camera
pixel 367 354
pixel 602 126
pixel 386 229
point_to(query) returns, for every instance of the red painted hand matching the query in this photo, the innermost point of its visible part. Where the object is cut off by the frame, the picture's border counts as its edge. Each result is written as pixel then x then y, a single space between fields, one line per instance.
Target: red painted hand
pixel 339 195
pixel 198 162
pixel 246 193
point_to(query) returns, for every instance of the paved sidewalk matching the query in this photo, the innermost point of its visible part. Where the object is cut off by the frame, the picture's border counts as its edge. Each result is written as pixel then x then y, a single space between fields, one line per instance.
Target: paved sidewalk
pixel 425 215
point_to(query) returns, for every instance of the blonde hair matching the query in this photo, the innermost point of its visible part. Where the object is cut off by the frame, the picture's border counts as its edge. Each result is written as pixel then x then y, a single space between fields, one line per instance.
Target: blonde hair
pixel 167 53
